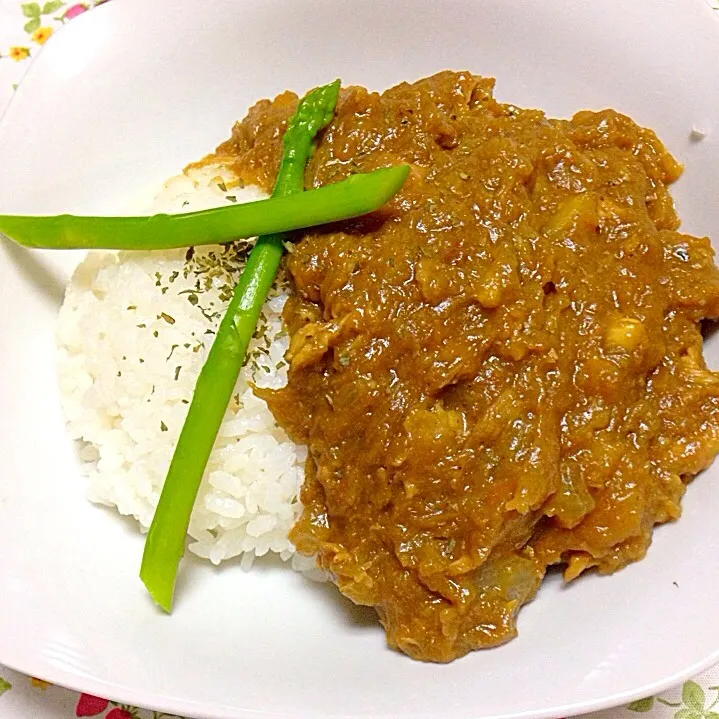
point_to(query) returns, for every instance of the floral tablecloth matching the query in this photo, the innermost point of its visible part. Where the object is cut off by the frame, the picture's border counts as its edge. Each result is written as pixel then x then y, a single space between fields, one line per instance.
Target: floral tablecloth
pixel 24 28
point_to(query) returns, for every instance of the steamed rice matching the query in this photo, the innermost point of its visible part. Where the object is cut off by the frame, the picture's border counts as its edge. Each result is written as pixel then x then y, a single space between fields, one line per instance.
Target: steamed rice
pixel 133 333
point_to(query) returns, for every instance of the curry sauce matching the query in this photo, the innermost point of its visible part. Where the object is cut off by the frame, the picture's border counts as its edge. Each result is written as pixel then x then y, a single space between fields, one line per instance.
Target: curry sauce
pixel 501 370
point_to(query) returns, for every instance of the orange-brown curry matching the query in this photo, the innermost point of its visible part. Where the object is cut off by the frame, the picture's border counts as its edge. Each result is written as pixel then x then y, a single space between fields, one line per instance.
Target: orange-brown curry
pixel 499 372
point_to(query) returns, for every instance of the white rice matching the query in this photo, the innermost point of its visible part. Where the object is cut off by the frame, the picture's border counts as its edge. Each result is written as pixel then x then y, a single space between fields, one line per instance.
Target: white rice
pixel 133 333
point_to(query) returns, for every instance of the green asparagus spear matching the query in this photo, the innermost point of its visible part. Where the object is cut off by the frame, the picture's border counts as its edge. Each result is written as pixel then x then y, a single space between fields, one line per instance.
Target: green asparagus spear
pixel 166 539
pixel 352 197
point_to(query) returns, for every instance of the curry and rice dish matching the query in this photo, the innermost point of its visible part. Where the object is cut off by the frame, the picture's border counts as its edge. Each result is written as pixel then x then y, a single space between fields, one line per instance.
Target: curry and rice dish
pixel 499 371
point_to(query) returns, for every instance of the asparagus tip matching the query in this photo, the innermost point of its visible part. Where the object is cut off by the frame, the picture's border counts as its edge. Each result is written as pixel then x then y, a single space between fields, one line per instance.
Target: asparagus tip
pixel 160 584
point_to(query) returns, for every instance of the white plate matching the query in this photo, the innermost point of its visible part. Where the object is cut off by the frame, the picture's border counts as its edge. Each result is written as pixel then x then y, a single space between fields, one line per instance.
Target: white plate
pixel 123 98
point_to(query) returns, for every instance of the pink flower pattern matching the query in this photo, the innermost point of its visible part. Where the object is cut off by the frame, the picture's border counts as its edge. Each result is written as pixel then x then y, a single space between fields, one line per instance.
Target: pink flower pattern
pixel 75 10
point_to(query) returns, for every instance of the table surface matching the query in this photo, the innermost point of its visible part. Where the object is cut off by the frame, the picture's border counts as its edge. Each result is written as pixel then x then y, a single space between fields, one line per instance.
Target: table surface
pixel 24 28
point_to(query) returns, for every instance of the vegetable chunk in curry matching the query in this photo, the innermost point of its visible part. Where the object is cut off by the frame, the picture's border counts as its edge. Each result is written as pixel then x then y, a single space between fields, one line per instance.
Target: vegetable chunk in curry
pixel 500 371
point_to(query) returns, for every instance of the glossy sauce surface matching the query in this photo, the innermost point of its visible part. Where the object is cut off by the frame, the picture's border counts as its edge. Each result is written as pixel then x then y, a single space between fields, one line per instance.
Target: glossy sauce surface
pixel 501 370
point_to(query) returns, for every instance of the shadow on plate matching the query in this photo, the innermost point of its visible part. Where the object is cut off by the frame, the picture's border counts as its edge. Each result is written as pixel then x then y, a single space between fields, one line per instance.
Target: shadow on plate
pixel 325 593
pixel 710 333
pixel 35 271
pixel 334 602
